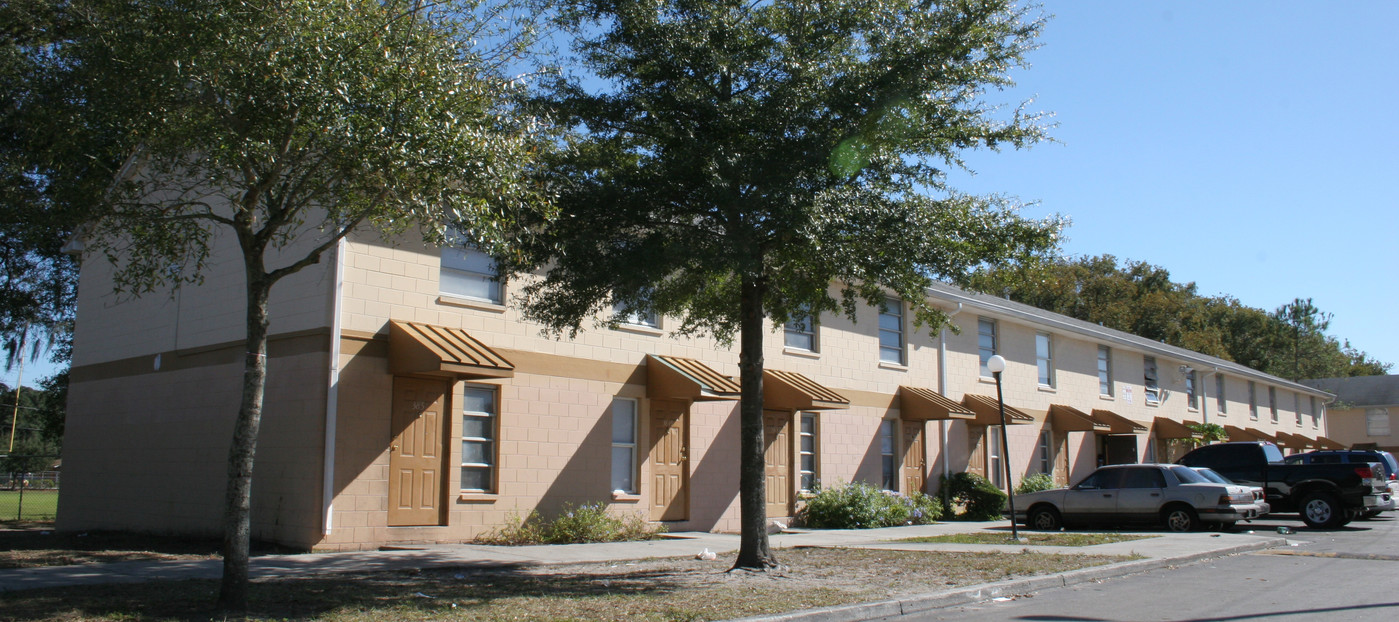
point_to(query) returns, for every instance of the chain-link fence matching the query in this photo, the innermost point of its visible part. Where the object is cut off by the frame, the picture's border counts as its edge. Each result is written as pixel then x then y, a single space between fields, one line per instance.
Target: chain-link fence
pixel 29 496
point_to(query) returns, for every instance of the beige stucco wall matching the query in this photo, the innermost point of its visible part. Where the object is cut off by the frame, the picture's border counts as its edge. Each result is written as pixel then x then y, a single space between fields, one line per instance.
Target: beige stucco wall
pixel 1349 427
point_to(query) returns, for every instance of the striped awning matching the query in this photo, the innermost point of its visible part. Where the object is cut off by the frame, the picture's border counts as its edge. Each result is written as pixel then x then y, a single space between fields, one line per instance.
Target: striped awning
pixel 1262 436
pixel 987 411
pixel 787 390
pixel 919 404
pixel 1117 424
pixel 673 377
pixel 441 351
pixel 1166 427
pixel 1294 441
pixel 1066 418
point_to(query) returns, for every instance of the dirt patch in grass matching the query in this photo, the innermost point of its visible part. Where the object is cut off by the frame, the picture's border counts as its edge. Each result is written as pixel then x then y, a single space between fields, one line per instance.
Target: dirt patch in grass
pixel 30 546
pixel 654 589
pixel 1035 539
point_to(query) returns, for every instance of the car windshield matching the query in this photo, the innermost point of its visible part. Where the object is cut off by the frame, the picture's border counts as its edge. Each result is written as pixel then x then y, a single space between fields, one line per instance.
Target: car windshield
pixel 1212 476
pixel 1272 452
pixel 1187 475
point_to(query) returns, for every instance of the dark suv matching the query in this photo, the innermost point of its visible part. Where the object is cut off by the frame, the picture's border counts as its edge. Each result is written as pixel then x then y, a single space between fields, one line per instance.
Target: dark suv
pixel 1341 456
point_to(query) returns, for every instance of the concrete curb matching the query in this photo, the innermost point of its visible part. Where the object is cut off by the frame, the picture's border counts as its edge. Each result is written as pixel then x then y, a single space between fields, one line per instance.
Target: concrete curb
pixel 962 596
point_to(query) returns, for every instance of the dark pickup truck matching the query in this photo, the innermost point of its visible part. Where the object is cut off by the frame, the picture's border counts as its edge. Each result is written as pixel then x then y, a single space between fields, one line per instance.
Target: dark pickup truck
pixel 1325 495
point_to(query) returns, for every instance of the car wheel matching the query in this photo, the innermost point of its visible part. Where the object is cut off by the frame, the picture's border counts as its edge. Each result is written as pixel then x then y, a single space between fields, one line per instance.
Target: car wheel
pixel 1180 518
pixel 1044 518
pixel 1320 510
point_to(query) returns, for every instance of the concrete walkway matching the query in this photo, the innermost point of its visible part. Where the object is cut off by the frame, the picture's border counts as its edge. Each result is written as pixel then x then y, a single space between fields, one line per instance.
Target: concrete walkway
pixel 1165 549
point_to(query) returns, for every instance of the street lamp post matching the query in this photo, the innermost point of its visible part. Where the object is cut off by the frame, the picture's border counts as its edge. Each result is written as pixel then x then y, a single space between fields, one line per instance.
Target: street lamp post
pixel 997 364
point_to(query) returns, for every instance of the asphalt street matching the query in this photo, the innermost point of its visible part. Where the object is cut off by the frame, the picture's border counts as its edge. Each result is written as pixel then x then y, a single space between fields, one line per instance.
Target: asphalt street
pixel 1347 574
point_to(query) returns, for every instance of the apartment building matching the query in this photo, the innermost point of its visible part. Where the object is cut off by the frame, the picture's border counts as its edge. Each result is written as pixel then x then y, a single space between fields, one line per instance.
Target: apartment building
pixel 408 401
pixel 1362 416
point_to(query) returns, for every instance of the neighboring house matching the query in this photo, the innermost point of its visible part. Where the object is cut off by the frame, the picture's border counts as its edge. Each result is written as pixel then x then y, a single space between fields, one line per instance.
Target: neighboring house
pixel 407 401
pixel 1362 417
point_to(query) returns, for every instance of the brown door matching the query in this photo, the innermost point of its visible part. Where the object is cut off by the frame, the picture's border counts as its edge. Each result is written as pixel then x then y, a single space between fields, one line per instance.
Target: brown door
pixel 777 459
pixel 416 456
pixel 915 454
pixel 670 460
pixel 1061 458
pixel 976 449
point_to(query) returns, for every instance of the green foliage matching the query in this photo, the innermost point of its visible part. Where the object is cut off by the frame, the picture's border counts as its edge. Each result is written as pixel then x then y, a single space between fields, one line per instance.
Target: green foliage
pixel 978 497
pixel 1141 299
pixel 574 525
pixel 39 429
pixel 859 505
pixel 1209 432
pixel 1035 483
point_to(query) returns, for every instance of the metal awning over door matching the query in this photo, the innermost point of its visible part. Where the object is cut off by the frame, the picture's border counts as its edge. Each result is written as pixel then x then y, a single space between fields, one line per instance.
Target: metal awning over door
pixel 426 349
pixel 919 404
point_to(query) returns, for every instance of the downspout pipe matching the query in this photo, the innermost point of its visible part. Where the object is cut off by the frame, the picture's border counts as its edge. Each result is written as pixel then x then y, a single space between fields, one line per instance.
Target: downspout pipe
pixel 332 395
pixel 942 388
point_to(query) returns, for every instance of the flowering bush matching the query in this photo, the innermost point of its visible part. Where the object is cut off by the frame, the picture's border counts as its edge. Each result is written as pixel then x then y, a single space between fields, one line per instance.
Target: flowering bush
pixel 590 522
pixel 861 506
pixel 979 498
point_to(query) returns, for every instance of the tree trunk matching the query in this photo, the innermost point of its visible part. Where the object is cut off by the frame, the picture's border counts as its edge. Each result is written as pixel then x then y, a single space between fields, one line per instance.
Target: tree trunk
pixel 753 550
pixel 233 592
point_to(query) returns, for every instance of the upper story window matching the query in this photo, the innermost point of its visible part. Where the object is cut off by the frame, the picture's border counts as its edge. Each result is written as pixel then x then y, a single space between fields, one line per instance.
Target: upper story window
pixel 1191 399
pixel 985 343
pixel 1153 389
pixel 891 332
pixel 1316 414
pixel 1297 407
pixel 648 319
pixel 1104 371
pixel 1044 358
pixel 468 273
pixel 1273 403
pixel 800 333
pixel 1252 400
pixel 1221 404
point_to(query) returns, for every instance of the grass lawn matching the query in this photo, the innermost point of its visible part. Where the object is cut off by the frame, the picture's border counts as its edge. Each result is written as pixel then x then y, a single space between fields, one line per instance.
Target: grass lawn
pixel 37 505
pixel 1036 539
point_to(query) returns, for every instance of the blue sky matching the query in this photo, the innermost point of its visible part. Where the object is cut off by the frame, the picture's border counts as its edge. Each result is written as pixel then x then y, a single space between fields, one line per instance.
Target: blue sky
pixel 1249 147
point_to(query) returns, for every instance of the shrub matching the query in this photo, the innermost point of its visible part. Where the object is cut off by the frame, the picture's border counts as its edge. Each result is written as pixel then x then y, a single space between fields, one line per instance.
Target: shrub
pixel 861 506
pixel 1035 483
pixel 589 522
pixel 979 498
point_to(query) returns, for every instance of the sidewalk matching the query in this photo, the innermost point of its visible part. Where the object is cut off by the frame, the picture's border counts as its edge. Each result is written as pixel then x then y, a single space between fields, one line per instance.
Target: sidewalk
pixel 1165 549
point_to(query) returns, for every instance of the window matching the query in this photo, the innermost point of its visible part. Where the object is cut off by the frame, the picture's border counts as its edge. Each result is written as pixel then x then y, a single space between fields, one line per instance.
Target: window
pixel 478 438
pixel 993 456
pixel 1316 417
pixel 624 445
pixel 1273 403
pixel 1220 403
pixel 1312 400
pixel 648 319
pixel 891 332
pixel 1191 400
pixel 1376 422
pixel 985 343
pixel 1153 390
pixel 1252 401
pixel 468 273
pixel 1045 452
pixel 800 333
pixel 1297 407
pixel 1105 371
pixel 1044 358
pixel 886 455
pixel 807 451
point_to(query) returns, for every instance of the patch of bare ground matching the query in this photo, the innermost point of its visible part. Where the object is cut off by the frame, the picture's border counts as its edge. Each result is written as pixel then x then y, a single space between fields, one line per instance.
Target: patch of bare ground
pixel 29 546
pixel 652 589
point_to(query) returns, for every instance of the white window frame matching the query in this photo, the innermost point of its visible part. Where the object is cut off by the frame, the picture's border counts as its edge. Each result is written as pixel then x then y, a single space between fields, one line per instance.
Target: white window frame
pixel 993 456
pixel 1297 407
pixel 492 422
pixel 1273 404
pixel 1105 371
pixel 1151 381
pixel 624 444
pixel 648 319
pixel 1252 401
pixel 888 455
pixel 893 311
pixel 1315 412
pixel 808 458
pixel 458 263
pixel 1377 421
pixel 803 330
pixel 1044 359
pixel 1192 397
pixel 1045 452
pixel 1221 403
pixel 986 331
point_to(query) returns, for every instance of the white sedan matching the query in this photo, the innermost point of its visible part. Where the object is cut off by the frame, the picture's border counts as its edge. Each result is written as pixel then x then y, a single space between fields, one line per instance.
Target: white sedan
pixel 1166 494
